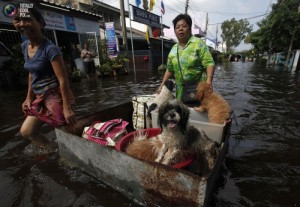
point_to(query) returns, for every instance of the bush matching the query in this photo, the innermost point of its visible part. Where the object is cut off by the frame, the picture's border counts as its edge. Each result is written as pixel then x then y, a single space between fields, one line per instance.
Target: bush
pixel 104 69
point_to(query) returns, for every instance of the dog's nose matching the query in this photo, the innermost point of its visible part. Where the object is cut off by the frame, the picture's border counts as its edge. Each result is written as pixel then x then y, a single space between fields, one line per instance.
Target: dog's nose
pixel 172 115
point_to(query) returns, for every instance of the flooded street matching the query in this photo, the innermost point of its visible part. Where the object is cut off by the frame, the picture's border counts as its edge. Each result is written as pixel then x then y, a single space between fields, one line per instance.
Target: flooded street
pixel 262 167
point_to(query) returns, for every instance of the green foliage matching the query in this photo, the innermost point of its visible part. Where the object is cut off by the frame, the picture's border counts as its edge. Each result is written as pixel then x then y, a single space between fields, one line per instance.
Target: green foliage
pixel 234 31
pixel 109 65
pixel 16 63
pixel 223 58
pixel 162 67
pixel 76 72
pixel 105 69
pixel 76 75
pixel 262 61
pixel 119 61
pixel 276 30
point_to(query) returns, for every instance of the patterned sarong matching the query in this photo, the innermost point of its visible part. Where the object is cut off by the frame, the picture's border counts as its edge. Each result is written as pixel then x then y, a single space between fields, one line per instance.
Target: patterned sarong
pixel 48 107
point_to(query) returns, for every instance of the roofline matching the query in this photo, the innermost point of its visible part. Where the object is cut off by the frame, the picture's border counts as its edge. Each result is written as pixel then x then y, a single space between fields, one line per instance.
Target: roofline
pixel 107 6
pixel 47 3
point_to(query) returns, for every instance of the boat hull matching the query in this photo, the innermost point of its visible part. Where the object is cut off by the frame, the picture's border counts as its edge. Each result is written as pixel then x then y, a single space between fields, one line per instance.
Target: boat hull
pixel 147 183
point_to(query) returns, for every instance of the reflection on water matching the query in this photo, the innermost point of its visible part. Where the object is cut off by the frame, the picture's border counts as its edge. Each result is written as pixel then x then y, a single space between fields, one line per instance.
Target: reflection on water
pixel 262 166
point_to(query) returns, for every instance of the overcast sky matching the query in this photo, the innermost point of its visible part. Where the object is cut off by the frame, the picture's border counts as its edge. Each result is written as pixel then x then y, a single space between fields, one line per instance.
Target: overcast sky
pixel 217 10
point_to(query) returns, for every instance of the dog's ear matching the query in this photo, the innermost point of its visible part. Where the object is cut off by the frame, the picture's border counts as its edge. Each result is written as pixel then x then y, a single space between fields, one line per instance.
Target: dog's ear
pixel 203 89
pixel 169 84
pixel 207 89
pixel 199 93
pixel 161 113
pixel 184 116
pixel 151 108
pixel 192 135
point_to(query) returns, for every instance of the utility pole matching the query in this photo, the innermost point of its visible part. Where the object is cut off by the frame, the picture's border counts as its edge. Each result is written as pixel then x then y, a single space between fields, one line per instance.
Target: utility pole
pixel 291 44
pixel 162 39
pixel 222 47
pixel 216 43
pixel 124 31
pixel 206 23
pixel 186 6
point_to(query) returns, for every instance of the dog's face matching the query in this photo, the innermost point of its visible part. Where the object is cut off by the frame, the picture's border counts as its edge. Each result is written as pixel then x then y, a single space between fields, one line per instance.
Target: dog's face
pixel 173 115
pixel 203 89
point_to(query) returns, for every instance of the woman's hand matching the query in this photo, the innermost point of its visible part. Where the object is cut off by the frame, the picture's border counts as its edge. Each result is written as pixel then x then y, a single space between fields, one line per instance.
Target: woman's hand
pixel 70 116
pixel 209 82
pixel 26 105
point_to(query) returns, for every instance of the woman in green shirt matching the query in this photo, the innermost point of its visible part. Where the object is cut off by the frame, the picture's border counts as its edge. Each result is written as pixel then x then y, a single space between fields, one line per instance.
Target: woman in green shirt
pixel 195 59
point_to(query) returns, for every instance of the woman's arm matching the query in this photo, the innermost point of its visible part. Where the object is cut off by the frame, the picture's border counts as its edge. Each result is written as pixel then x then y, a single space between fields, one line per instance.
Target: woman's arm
pixel 210 74
pixel 207 62
pixel 83 54
pixel 30 95
pixel 167 75
pixel 60 72
pixel 92 54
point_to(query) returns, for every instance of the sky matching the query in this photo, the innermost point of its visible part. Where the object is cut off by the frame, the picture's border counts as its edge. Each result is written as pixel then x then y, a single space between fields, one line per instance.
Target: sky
pixel 217 11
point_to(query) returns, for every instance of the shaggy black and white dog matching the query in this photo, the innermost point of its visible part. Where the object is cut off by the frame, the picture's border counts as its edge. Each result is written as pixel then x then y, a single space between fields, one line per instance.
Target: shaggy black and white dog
pixel 177 139
pixel 165 95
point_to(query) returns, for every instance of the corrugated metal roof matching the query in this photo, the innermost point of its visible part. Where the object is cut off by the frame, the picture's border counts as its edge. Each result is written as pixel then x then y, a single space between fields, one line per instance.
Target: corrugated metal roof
pixel 53 5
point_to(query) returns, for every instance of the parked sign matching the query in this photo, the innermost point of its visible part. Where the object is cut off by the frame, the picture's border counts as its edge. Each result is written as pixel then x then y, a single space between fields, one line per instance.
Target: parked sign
pixel 142 16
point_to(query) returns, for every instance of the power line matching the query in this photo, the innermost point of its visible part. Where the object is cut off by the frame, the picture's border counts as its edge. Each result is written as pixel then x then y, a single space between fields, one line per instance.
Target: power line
pixel 268 7
pixel 245 18
pixel 227 13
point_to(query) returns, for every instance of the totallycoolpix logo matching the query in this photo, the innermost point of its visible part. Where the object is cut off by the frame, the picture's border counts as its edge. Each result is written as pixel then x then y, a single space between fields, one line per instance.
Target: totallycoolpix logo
pixel 10 10
pixel 24 12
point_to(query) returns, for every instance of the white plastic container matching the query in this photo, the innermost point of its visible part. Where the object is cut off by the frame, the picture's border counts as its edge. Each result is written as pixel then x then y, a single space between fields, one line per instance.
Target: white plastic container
pixel 200 121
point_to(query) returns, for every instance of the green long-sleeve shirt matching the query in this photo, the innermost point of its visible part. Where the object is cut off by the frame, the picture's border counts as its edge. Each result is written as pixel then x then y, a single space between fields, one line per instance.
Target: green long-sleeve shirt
pixel 194 59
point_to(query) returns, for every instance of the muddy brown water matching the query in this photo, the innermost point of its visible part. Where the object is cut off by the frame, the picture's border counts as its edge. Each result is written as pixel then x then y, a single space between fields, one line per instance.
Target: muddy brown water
pixel 262 166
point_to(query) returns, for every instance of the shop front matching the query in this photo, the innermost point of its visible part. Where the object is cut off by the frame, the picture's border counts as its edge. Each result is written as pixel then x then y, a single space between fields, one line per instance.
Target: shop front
pixel 69 29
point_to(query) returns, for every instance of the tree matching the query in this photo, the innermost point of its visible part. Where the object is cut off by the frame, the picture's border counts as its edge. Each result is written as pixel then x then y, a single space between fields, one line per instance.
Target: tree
pixel 234 31
pixel 276 30
pixel 262 38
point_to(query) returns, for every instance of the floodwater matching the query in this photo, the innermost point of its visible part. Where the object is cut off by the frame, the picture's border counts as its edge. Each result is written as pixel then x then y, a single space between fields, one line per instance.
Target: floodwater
pixel 262 167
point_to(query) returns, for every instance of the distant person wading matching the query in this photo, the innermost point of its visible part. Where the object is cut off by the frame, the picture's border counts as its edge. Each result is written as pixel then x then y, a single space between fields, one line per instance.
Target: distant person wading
pixel 88 61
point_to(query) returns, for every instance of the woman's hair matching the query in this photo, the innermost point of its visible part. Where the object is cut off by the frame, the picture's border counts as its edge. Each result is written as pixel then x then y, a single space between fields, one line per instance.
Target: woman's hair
pixel 185 17
pixel 35 13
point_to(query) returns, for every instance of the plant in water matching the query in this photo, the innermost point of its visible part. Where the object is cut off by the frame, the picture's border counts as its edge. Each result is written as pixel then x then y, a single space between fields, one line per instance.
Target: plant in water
pixel 113 65
pixel 76 75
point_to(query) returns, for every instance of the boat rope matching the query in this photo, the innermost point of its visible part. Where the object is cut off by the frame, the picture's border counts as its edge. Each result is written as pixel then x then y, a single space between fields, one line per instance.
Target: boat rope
pixel 234 118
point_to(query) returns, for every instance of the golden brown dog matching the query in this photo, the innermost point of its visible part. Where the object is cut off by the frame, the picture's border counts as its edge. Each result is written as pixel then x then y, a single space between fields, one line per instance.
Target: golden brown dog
pixel 217 108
